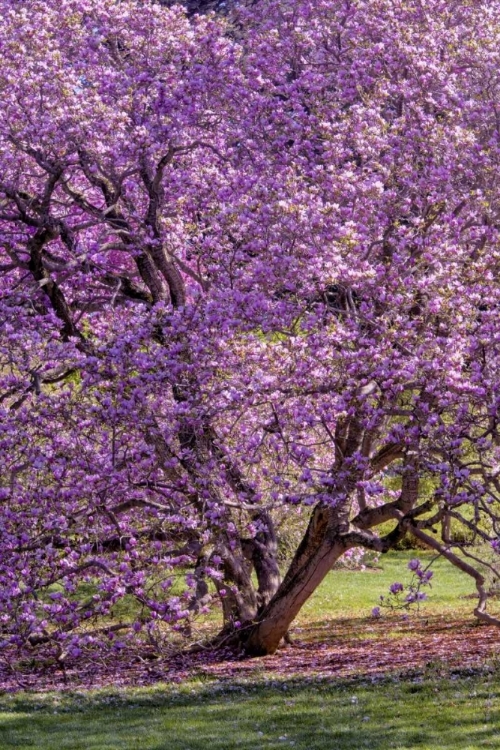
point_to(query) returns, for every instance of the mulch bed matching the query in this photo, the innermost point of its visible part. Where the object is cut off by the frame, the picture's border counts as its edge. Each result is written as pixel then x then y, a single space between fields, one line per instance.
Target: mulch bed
pixel 336 649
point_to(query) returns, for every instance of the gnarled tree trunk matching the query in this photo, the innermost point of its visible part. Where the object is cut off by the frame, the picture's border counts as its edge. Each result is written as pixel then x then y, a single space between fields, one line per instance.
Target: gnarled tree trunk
pixel 319 550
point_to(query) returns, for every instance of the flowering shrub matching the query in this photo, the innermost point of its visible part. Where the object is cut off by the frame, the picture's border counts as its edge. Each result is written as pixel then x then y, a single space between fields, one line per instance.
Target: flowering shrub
pixel 405 597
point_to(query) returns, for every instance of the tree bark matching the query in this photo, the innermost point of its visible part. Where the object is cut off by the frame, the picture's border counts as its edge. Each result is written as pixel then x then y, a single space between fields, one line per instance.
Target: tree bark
pixel 319 550
pixel 263 553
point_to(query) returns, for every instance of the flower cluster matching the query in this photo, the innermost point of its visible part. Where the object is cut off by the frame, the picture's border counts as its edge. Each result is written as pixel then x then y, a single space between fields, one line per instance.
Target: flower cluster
pixel 404 597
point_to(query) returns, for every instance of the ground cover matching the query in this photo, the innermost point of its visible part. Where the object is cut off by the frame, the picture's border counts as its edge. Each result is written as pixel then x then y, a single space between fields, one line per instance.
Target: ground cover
pixel 430 680
pixel 426 712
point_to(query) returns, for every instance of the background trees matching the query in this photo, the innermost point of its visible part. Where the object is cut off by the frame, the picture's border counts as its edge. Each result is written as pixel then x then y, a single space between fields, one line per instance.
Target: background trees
pixel 249 267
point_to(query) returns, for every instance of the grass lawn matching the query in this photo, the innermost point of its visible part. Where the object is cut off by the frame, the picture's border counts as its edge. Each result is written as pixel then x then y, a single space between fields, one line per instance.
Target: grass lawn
pixel 425 713
pixel 346 593
pixel 264 704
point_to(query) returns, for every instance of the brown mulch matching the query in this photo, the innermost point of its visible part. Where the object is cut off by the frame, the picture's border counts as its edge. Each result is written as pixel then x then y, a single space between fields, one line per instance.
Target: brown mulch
pixel 336 649
pixel 345 649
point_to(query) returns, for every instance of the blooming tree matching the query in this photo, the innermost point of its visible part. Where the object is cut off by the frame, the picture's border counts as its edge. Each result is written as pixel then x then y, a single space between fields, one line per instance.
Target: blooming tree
pixel 249 268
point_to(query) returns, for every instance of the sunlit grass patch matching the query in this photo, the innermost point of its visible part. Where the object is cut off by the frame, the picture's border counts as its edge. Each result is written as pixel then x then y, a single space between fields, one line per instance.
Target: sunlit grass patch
pixel 347 593
pixel 425 712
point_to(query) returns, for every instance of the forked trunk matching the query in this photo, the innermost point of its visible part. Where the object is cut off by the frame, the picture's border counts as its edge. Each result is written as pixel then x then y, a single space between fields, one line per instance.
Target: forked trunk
pixel 244 603
pixel 319 550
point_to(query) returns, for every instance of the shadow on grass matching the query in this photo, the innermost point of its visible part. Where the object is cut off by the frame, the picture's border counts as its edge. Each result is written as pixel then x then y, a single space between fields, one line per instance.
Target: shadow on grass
pixel 455 713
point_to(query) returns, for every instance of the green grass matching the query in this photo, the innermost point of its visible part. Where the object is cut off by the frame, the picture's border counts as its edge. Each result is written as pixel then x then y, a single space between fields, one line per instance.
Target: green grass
pixel 346 593
pixel 428 714
pixel 430 709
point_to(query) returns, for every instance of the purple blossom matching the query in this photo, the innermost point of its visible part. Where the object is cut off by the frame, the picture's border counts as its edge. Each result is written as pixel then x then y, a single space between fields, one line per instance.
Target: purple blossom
pixel 396 588
pixel 231 299
pixel 414 564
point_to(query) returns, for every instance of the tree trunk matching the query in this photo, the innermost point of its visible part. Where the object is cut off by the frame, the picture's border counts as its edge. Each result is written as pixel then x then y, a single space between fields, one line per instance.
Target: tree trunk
pixel 319 550
pixel 263 552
